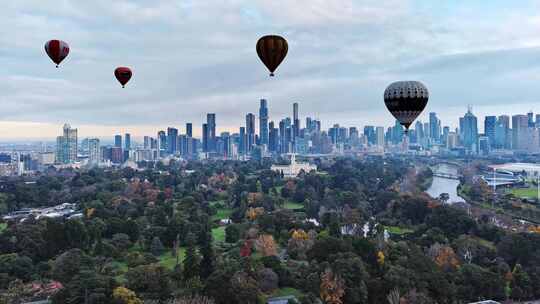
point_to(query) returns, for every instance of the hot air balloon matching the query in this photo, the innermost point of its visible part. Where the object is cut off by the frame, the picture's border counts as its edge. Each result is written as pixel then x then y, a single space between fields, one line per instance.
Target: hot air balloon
pixel 406 100
pixel 57 50
pixel 123 74
pixel 272 49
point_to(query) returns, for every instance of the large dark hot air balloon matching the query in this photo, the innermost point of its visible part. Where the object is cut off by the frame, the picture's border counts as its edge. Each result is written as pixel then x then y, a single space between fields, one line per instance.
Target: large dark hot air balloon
pixel 272 49
pixel 123 74
pixel 57 50
pixel 406 100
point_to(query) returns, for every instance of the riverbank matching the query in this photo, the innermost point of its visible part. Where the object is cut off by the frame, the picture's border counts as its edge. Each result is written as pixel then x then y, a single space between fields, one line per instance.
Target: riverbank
pixel 440 185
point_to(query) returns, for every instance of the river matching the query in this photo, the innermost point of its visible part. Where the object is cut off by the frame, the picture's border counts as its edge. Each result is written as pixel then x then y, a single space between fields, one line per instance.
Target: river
pixel 445 185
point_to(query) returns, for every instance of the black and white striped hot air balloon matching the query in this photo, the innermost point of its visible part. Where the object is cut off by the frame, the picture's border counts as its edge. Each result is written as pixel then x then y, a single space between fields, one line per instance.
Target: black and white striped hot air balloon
pixel 406 100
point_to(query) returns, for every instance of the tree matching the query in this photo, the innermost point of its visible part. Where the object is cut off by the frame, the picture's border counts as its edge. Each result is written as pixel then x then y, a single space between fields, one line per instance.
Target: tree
pixel 353 275
pixel 232 233
pixel 244 288
pixel 267 279
pixel 156 248
pixel 521 284
pixel 443 197
pixel 125 296
pixel 121 241
pixel 152 281
pixel 208 256
pixel 192 260
pixel 332 287
pixel 69 264
pixel 266 245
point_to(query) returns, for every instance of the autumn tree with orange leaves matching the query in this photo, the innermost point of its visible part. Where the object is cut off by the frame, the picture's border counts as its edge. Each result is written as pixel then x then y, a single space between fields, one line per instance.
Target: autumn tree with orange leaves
pixel 332 287
pixel 266 245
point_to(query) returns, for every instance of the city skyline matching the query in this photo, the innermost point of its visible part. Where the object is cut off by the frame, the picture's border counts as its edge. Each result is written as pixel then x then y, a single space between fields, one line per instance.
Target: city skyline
pixel 464 53
pixel 139 132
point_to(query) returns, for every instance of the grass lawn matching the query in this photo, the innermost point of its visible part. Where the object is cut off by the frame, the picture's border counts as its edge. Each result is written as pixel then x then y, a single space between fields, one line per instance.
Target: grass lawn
pixel 525 192
pixel 3 227
pixel 169 261
pixel 222 214
pixel 398 230
pixel 219 234
pixel 292 205
pixel 286 291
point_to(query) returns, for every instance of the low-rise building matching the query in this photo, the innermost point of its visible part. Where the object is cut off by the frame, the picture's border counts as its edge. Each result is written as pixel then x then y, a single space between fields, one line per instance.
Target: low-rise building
pixel 294 168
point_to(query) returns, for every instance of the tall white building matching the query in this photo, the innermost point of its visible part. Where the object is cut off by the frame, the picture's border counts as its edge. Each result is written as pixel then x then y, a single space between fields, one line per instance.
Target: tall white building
pixel 94 151
pixel 379 132
pixel 66 146
pixel 520 132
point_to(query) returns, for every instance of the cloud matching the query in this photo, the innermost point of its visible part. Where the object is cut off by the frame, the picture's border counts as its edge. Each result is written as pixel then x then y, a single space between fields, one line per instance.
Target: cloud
pixel 193 57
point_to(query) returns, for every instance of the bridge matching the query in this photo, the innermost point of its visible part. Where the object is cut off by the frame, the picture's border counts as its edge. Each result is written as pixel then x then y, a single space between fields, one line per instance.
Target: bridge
pixel 446 175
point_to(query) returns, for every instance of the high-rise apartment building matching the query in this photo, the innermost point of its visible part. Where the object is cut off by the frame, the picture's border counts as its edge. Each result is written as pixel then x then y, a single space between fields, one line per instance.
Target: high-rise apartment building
pixel 503 136
pixel 380 136
pixel 94 152
pixel 66 146
pixel 520 126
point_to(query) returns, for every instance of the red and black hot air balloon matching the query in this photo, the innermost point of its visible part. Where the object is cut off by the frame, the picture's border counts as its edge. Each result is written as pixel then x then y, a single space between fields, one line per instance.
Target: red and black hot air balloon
pixel 123 74
pixel 57 50
pixel 272 49
pixel 406 100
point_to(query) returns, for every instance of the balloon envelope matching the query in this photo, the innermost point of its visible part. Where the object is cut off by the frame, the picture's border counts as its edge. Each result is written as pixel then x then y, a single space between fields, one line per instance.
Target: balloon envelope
pixel 57 50
pixel 406 100
pixel 123 75
pixel 272 49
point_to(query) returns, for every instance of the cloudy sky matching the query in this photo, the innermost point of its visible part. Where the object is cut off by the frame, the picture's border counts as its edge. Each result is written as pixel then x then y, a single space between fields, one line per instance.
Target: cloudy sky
pixel 193 57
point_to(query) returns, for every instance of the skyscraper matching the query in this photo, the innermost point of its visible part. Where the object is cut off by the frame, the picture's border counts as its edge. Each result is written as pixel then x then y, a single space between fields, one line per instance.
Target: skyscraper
pixel 66 146
pixel 93 151
pixel 172 140
pixel 127 142
pixel 419 132
pixel 503 136
pixel 380 136
pixel 530 119
pixel 369 132
pixel 273 138
pixel 205 138
pixel 469 131
pixel 118 141
pixel 489 129
pixel 250 131
pixel 147 142
pixel 242 141
pixel 520 126
pixel 189 129
pixel 162 143
pixel 434 127
pixel 211 126
pixel 296 121
pixel 263 122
